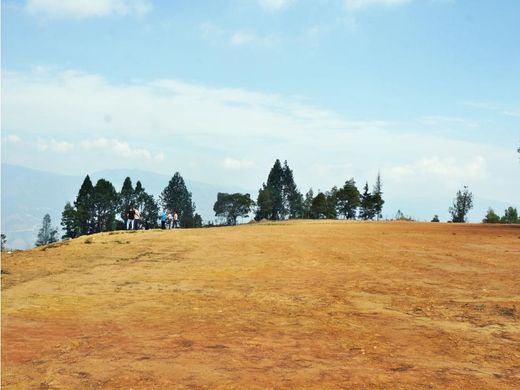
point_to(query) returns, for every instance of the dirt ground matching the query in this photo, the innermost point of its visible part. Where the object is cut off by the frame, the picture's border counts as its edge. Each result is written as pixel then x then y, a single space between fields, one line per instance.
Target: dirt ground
pixel 312 304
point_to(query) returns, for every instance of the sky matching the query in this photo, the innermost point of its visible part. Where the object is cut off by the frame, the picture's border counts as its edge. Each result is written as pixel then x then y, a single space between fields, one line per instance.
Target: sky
pixel 426 92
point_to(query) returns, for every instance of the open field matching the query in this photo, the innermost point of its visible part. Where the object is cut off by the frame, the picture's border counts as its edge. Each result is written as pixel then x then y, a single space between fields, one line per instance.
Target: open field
pixel 313 304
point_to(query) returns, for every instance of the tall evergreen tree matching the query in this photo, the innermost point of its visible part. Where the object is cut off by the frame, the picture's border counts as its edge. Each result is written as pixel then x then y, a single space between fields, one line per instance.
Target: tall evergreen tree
pixel 275 183
pixel 366 210
pixel 69 221
pixel 292 198
pixel 462 203
pixel 332 202
pixel 3 242
pixel 106 201
pixel 85 208
pixel 47 233
pixel 176 197
pixel 377 197
pixel 126 198
pixel 307 204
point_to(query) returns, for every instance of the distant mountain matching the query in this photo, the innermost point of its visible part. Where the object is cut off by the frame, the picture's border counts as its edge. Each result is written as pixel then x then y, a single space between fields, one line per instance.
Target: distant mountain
pixel 28 194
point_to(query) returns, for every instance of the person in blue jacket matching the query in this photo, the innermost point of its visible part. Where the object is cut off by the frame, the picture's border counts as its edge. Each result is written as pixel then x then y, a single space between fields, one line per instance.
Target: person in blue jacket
pixel 164 217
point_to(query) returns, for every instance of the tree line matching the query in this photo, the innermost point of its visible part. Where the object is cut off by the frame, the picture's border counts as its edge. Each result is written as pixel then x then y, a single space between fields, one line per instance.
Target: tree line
pixel 100 208
pixel 279 198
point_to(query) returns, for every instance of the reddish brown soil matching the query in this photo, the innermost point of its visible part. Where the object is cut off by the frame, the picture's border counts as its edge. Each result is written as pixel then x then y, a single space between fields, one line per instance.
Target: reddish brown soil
pixel 288 305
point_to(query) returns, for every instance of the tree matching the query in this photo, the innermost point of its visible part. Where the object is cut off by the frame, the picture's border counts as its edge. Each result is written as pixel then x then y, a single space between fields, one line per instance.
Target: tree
pixel 232 206
pixel 377 198
pixel 491 217
pixel 176 197
pixel 367 210
pixel 69 221
pixel 292 198
pixel 348 198
pixel 510 216
pixel 275 183
pixel 126 198
pixel 47 234
pixel 105 202
pixel 332 200
pixel 146 205
pixel 319 206
pixel 3 242
pixel 307 204
pixel 85 208
pixel 462 203
pixel 264 203
pixel 197 221
pixel 435 218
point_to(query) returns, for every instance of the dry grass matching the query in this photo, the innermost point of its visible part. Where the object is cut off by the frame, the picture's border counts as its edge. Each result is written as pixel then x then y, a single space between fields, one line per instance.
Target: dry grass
pixel 292 305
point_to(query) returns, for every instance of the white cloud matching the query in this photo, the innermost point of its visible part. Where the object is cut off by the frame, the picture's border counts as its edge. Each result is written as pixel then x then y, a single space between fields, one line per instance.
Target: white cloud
pixel 160 124
pixel 359 4
pixel 274 5
pixel 231 163
pixel 119 149
pixel 13 138
pixel 55 146
pixel 87 8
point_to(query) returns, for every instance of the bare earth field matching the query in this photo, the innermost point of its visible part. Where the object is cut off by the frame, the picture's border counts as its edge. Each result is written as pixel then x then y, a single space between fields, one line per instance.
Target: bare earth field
pixel 313 304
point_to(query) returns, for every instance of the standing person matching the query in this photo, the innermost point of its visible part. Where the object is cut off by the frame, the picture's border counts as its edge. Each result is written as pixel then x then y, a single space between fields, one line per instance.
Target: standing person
pixel 175 220
pixel 170 220
pixel 130 218
pixel 164 216
pixel 137 219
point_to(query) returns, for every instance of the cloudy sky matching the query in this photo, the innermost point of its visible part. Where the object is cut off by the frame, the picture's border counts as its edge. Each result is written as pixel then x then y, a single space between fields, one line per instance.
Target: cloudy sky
pixel 427 92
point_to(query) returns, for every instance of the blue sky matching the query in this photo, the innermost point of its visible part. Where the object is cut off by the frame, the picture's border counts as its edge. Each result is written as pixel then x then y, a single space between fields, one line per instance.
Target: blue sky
pixel 425 91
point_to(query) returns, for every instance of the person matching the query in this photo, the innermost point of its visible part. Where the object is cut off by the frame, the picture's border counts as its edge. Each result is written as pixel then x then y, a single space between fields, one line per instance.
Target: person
pixel 130 218
pixel 170 220
pixel 175 220
pixel 164 216
pixel 137 219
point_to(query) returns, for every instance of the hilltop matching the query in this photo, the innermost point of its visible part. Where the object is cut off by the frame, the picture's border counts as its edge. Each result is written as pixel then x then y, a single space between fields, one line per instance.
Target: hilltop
pixel 286 305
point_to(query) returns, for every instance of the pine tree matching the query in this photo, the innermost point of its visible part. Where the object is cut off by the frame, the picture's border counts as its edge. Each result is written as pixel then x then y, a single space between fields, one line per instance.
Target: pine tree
pixel 69 221
pixel 47 234
pixel 462 203
pixel 106 204
pixel 292 198
pixel 127 198
pixel 377 198
pixel 307 204
pixel 3 242
pixel 176 197
pixel 366 210
pixel 332 203
pixel 84 205
pixel 275 183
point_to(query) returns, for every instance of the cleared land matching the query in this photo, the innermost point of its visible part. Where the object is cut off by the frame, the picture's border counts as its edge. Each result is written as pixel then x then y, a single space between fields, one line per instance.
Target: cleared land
pixel 288 305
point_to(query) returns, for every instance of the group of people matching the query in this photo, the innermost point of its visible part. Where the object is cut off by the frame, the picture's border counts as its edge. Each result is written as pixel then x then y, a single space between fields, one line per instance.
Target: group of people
pixel 133 219
pixel 169 220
